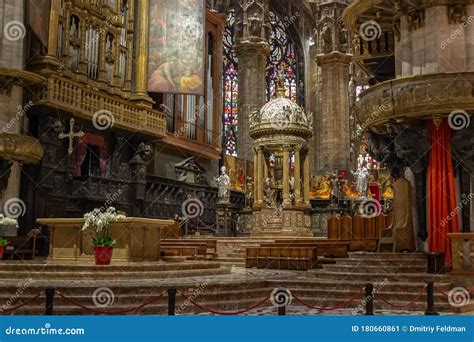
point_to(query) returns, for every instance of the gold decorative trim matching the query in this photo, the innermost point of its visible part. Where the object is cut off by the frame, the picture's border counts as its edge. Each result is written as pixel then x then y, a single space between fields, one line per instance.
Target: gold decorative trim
pixel 20 148
pixel 358 9
pixel 421 97
pixel 10 77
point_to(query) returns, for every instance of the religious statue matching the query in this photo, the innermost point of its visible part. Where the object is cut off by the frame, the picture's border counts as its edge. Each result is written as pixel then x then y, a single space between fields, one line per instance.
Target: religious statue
pixel 325 32
pixel 362 174
pixel 326 38
pixel 416 19
pixel 343 37
pixel 320 187
pixel 292 194
pixel 223 184
pixel 457 14
pixel 336 188
pixel 143 152
pixel 249 195
pixel 255 26
pixel 254 12
pixel 268 192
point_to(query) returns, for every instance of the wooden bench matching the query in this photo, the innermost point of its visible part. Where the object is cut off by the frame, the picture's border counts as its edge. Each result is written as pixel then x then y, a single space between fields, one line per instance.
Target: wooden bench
pixel 184 251
pixel 281 257
pixel 21 247
pixel 189 248
pixel 326 248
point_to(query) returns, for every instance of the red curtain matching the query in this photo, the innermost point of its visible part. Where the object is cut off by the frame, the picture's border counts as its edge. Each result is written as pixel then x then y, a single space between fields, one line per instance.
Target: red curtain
pixel 81 151
pixel 442 203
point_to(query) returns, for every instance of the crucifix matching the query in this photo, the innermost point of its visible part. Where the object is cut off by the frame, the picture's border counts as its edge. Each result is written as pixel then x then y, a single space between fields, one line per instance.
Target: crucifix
pixel 71 135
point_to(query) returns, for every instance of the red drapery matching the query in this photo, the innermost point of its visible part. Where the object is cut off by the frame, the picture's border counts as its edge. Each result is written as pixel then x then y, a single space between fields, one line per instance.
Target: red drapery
pixel 442 203
pixel 81 151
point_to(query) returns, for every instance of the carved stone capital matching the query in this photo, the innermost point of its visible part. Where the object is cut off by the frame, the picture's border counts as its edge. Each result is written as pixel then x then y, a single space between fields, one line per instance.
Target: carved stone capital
pixel 334 57
pixel 20 148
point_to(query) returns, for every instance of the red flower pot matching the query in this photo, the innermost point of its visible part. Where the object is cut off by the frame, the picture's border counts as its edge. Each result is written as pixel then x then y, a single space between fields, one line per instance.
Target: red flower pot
pixel 103 255
pixel 2 249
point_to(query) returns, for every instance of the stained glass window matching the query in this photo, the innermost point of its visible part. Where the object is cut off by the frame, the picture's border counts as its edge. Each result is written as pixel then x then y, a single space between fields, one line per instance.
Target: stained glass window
pixel 231 88
pixel 283 60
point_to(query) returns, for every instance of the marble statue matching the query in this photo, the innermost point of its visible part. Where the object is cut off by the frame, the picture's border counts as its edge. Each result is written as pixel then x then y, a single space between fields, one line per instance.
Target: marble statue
pixel 223 184
pixel 362 174
pixel 249 194
pixel 268 193
pixel 292 193
pixel 336 187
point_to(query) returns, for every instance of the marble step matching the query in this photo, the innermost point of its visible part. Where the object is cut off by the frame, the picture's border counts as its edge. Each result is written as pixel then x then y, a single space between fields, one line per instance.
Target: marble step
pixel 231 259
pixel 239 255
pixel 114 267
pixel 351 285
pixel 381 262
pixel 398 256
pixel 134 275
pixel 364 277
pixel 376 269
pixel 130 288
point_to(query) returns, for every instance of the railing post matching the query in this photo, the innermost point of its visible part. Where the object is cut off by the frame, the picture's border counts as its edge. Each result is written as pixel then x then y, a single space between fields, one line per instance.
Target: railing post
pixel 49 301
pixel 435 262
pixel 171 301
pixel 369 299
pixel 282 310
pixel 430 310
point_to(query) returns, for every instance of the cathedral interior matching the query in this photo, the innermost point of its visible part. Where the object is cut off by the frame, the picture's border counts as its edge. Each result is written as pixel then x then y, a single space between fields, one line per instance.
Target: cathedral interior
pixel 319 152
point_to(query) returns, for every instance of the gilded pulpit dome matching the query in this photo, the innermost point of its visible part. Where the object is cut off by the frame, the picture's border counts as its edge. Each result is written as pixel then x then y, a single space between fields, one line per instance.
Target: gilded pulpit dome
pixel 282 116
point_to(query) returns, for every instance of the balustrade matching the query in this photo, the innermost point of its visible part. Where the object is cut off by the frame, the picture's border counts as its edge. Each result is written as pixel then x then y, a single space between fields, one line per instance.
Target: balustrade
pixel 74 97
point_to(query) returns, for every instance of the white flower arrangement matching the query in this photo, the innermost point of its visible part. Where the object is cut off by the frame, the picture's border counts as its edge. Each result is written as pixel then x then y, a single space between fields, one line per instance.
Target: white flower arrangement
pixel 8 221
pixel 100 220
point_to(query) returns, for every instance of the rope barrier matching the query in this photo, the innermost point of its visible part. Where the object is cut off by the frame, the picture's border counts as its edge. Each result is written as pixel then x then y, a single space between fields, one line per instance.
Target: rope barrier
pixel 225 313
pixel 22 304
pixel 386 301
pixel 339 306
pixel 210 227
pixel 107 312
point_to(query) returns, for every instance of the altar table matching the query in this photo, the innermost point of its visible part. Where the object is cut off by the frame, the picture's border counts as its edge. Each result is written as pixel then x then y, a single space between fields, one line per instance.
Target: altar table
pixel 138 239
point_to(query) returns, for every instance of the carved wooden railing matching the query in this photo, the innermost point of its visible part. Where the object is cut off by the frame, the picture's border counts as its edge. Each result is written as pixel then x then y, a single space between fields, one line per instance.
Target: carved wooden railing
pixel 165 197
pixel 462 248
pixel 84 102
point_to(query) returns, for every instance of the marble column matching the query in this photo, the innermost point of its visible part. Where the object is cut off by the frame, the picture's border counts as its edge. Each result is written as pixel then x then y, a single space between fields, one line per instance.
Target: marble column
pixel 306 179
pixel 259 182
pixel 334 124
pixel 252 81
pixel 252 48
pixel 286 173
pixel 255 176
pixel 297 175
pixel 11 99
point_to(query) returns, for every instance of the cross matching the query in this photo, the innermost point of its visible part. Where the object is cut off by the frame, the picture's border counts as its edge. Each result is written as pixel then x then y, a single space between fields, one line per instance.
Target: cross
pixel 71 135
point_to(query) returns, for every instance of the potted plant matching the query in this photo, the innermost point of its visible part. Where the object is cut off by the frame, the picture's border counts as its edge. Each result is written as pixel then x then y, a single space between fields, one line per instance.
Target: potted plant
pixel 100 220
pixel 8 227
